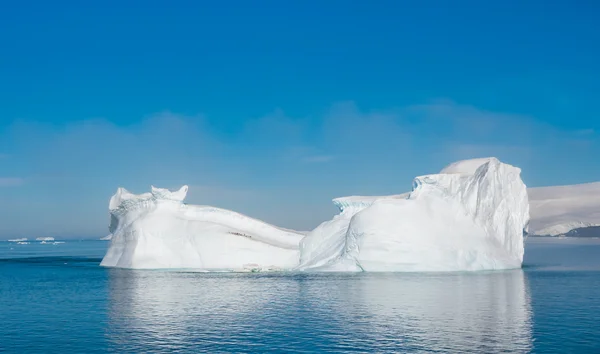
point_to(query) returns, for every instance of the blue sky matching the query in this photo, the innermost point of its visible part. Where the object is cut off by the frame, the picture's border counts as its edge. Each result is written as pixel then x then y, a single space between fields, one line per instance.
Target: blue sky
pixel 273 108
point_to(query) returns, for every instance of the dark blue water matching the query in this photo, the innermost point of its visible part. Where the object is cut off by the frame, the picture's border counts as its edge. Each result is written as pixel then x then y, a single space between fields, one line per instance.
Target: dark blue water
pixel 56 299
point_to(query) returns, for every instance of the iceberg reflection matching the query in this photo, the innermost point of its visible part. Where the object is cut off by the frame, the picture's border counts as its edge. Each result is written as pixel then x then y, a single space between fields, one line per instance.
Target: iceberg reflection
pixel 475 312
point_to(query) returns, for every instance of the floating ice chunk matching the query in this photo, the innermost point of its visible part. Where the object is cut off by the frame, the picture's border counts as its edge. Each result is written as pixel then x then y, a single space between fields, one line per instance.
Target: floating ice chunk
pixel 45 239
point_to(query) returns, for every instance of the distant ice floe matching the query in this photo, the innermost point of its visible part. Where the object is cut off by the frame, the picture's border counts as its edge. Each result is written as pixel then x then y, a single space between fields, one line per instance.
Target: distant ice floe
pixel 45 239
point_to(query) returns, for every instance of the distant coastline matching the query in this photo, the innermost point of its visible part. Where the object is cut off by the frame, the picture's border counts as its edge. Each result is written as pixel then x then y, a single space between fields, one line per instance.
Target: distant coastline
pixel 582 232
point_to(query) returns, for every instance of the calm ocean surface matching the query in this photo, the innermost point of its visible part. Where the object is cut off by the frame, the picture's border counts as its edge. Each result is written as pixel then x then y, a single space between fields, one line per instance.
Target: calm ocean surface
pixel 56 299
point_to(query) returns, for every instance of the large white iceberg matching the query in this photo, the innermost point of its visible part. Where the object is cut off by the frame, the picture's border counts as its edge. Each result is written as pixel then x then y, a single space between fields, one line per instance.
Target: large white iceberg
pixel 157 230
pixel 471 216
pixel 558 210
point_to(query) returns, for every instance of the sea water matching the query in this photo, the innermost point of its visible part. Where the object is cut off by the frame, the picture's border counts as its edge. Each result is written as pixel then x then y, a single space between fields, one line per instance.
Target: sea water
pixel 54 298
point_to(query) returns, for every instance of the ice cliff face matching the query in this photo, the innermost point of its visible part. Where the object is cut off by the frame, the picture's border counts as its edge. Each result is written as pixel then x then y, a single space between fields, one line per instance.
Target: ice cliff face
pixel 156 230
pixel 469 217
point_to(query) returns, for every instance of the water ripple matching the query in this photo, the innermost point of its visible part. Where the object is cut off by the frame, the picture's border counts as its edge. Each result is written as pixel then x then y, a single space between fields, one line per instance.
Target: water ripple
pixel 66 303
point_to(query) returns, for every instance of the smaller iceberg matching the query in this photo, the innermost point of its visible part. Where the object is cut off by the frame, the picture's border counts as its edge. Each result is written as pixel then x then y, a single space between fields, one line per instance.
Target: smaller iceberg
pixel 18 240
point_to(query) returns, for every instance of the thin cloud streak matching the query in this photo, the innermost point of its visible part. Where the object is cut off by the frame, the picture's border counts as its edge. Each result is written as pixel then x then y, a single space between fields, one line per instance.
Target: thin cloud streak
pixel 11 181
pixel 284 170
pixel 318 159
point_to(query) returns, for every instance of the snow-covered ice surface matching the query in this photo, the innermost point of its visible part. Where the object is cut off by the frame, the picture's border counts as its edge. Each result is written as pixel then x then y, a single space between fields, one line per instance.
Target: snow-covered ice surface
pixel 559 209
pixel 157 230
pixel 469 217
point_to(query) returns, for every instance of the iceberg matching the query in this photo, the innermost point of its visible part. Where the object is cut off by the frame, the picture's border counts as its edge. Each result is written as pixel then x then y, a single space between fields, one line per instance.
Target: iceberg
pixel 45 239
pixel 157 230
pixel 560 210
pixel 470 216
pixel 18 240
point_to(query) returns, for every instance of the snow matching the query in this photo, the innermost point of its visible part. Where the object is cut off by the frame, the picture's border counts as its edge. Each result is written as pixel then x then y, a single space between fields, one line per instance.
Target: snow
pixel 470 217
pixel 559 209
pixel 157 230
pixel 466 218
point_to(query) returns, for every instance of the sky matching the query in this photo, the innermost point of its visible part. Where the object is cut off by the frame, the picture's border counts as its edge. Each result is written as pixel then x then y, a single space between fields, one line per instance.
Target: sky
pixel 273 108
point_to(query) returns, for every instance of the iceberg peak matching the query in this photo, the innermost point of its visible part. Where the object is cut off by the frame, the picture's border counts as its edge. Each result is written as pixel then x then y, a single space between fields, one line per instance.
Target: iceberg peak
pixel 164 193
pixel 467 167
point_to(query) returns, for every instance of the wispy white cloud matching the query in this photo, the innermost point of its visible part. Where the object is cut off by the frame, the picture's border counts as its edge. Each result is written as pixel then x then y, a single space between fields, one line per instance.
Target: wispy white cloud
pixel 216 194
pixel 306 154
pixel 585 132
pixel 11 181
pixel 460 151
pixel 274 127
pixel 318 158
pixel 274 167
